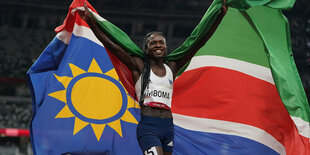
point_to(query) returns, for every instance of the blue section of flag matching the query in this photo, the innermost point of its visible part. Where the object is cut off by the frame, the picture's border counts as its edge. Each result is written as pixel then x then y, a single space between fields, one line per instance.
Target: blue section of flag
pixel 43 68
pixel 55 136
pixel 203 143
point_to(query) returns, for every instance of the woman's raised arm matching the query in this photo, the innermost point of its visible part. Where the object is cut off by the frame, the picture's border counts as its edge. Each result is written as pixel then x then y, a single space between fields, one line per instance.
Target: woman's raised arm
pixel 176 65
pixel 118 51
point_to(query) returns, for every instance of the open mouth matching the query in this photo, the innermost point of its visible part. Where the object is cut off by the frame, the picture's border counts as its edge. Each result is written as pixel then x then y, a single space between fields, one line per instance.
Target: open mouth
pixel 158 50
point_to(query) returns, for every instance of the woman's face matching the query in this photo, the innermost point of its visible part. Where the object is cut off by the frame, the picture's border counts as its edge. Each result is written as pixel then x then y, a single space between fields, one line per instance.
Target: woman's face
pixel 156 46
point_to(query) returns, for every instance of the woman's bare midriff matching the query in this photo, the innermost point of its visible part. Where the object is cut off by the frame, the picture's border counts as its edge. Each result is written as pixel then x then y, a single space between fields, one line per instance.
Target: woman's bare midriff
pixel 155 112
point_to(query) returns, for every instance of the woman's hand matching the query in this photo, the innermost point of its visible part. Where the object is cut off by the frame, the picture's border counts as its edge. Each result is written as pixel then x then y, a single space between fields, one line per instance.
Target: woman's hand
pixel 85 15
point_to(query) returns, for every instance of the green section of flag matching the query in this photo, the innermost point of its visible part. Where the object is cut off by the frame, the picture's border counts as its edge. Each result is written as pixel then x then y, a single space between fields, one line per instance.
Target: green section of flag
pixel 273 28
pixel 235 38
pixel 246 4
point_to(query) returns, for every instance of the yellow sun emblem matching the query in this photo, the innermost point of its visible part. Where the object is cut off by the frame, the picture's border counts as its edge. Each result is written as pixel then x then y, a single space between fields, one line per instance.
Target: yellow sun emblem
pixel 94 98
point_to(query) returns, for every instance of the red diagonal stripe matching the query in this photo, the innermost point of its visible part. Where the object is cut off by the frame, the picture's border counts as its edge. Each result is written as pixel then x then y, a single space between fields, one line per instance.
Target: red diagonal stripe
pixel 223 94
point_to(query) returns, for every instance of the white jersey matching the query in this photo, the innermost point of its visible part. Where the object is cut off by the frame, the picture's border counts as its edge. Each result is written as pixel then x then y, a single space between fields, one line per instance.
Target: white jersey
pixel 159 91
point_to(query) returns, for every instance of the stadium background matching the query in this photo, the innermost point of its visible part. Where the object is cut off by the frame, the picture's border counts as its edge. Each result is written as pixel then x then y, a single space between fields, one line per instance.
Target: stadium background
pixel 27 27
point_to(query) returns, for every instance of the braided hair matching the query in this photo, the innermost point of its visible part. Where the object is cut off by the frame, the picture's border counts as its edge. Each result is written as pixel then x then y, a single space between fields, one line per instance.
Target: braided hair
pixel 147 68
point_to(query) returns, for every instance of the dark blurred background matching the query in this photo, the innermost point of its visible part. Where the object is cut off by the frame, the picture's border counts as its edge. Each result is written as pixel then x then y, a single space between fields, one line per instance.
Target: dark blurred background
pixel 27 27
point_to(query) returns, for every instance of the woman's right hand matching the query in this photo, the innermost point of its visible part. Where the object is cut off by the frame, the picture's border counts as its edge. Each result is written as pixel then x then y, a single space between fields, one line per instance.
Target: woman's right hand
pixel 86 14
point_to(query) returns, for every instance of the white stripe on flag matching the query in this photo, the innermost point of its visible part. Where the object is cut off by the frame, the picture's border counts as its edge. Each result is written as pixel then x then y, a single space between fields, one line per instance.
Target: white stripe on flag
pixel 85 32
pixel 80 31
pixel 302 126
pixel 229 128
pixel 254 70
pixel 64 36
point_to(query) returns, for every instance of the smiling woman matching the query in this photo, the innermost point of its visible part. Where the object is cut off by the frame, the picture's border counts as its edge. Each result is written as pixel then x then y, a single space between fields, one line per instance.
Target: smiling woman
pixel 27 27
pixel 153 78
